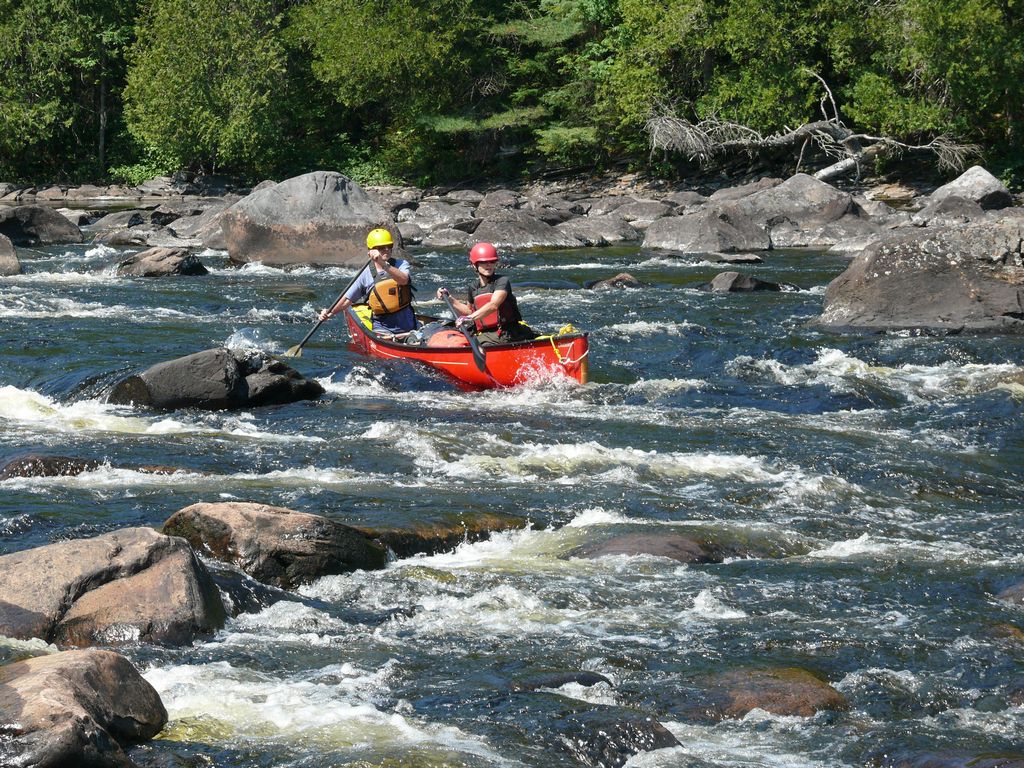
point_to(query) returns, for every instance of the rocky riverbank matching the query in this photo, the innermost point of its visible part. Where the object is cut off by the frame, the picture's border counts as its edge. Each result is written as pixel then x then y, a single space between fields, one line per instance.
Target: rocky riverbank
pixel 963 276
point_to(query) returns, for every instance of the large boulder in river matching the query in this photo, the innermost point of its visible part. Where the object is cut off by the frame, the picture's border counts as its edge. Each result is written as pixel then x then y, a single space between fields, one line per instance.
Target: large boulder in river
pixel 978 185
pixel 950 278
pixel 37 225
pixel 162 262
pixel 275 545
pixel 317 218
pixel 216 379
pixel 708 230
pixel 128 585
pixel 9 264
pixel 596 231
pixel 76 708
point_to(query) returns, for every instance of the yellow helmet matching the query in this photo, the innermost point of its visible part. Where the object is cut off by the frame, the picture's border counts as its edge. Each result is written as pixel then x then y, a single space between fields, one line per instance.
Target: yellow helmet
pixel 378 237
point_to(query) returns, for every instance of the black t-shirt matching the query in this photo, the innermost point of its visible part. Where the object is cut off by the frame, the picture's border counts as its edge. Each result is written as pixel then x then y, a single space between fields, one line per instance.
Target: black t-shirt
pixel 508 310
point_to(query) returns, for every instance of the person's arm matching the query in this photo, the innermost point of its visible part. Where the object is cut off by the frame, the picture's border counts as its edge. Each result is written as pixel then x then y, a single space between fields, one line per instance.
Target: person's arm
pixel 399 274
pixel 460 306
pixel 358 288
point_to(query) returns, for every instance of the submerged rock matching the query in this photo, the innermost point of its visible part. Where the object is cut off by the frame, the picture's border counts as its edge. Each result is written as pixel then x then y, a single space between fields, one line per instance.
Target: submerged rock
pixel 695 545
pixel 441 535
pixel 125 586
pixel 273 544
pixel 609 737
pixel 780 691
pixel 950 759
pixel 558 679
pixel 216 379
pixel 40 465
pixel 77 708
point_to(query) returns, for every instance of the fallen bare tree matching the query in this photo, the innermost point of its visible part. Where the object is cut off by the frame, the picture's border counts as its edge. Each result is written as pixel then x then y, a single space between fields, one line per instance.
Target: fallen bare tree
pixel 710 138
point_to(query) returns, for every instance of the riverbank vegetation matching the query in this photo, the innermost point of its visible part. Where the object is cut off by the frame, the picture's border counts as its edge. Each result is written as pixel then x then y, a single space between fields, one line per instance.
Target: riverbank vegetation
pixel 440 90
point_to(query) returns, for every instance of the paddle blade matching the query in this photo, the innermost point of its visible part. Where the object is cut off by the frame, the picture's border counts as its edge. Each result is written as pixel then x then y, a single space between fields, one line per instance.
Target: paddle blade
pixel 295 351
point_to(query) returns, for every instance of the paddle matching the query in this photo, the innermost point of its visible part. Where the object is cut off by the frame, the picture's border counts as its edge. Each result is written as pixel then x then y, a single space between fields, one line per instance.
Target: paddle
pixel 296 351
pixel 479 356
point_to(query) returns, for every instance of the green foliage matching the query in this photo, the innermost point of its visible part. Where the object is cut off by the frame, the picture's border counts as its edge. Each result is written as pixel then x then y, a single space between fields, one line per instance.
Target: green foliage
pixel 569 146
pixel 428 90
pixel 152 162
pixel 205 81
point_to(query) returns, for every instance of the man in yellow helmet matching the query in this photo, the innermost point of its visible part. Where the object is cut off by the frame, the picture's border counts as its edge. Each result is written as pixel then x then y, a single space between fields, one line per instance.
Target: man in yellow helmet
pixel 387 288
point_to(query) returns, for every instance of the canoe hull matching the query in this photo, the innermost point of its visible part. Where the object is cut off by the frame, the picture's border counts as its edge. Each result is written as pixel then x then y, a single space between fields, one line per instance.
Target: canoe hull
pixel 508 365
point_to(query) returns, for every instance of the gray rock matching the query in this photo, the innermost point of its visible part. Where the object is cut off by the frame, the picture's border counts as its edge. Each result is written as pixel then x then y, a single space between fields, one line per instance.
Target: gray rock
pixel 50 194
pixel 433 215
pixel 786 234
pixel 685 198
pixel 499 198
pixel 727 194
pixel 395 199
pixel 699 545
pixel 642 212
pixel 520 230
pixel 9 263
pixel 596 231
pixel 621 280
pixel 709 230
pixel 734 282
pixel 789 210
pixel 86 192
pixel 443 533
pixel 947 211
pixel 123 220
pixel 125 586
pixel 79 216
pixel 411 233
pixel 318 218
pixel 162 262
pixel 6 188
pixel 37 465
pixel 76 708
pixel 558 679
pixel 549 209
pixel 446 239
pixel 605 205
pixel 465 196
pixel 216 379
pixel 735 258
pixel 124 237
pixel 33 225
pixel 948 278
pixel 978 185
pixel 275 545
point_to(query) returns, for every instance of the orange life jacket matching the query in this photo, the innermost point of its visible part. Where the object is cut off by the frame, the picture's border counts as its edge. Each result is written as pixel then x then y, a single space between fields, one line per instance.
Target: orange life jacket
pixel 387 296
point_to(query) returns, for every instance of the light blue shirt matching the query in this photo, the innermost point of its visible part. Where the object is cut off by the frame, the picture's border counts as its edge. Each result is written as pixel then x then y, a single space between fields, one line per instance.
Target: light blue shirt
pixel 399 322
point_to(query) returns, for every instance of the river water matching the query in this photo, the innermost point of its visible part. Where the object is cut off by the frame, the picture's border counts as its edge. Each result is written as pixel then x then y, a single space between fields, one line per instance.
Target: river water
pixel 889 466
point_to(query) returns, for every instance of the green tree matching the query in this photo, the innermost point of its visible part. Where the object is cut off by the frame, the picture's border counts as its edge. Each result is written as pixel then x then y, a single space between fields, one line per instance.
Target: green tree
pixel 61 70
pixel 207 86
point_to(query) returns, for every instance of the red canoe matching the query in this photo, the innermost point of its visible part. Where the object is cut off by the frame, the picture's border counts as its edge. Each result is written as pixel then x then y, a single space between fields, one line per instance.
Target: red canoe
pixel 507 365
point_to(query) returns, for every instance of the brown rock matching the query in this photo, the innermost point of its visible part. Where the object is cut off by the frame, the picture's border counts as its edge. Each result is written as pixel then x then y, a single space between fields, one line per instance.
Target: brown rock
pixel 621 280
pixel 275 545
pixel 38 465
pixel 694 545
pixel 441 535
pixel 781 691
pixel 77 708
pixel 167 595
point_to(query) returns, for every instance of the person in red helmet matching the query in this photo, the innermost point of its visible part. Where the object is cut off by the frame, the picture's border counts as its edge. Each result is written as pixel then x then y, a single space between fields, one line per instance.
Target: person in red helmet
pixel 490 305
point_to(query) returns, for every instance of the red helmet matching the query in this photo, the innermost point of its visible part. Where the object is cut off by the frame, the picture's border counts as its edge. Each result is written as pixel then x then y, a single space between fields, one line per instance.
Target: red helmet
pixel 483 252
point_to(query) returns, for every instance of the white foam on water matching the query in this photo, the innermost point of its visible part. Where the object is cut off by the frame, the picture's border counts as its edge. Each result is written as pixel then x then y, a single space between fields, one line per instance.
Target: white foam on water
pixel 568 462
pixel 867 545
pixel 106 477
pixel 599 693
pixel 707 606
pixel 31 409
pixel 54 306
pixel 647 328
pixel 250 339
pixel 1007 723
pixel 331 708
pixel 773 743
pixel 893 679
pixel 597 516
pixel 839 371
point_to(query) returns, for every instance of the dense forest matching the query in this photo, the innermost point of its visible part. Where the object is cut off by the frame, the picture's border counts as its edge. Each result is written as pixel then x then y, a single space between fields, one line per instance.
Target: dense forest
pixel 425 91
